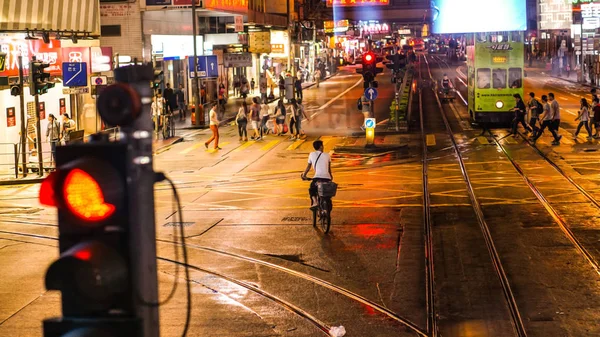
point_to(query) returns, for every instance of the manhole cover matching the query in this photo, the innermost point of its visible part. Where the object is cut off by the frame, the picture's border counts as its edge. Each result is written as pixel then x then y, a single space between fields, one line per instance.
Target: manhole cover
pixel 295 218
pixel 185 224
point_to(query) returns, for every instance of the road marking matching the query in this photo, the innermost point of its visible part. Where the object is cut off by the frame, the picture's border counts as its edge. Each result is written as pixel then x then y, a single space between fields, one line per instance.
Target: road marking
pixel 295 145
pixel 244 146
pixel 340 95
pixel 510 140
pixel 483 140
pixel 270 145
pixel 430 139
pixel 222 145
pixel 571 112
pixel 191 148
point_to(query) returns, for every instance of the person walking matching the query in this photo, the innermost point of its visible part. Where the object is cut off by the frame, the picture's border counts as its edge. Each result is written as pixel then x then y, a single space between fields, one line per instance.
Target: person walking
pixel 535 110
pixel 252 85
pixel 519 110
pixel 281 85
pixel 280 117
pixel 555 108
pixel 214 127
pixel 52 136
pixel 583 116
pixel 296 113
pixel 242 121
pixel 265 113
pixel 317 76
pixel 255 117
pixel 180 96
pixel 169 96
pixel 298 87
pixel 547 122
pixel 595 116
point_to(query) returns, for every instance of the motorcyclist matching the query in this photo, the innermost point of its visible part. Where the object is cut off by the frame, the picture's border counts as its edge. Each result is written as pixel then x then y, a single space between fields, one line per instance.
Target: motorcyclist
pixel 446 84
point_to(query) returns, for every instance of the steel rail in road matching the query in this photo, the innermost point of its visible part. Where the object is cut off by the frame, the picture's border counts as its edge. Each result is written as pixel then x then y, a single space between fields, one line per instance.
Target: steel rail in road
pixel 516 319
pixel 342 291
pixel 432 327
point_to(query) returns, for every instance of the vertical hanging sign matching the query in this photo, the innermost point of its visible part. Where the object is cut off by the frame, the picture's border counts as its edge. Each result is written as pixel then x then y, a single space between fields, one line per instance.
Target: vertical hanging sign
pixel 11 119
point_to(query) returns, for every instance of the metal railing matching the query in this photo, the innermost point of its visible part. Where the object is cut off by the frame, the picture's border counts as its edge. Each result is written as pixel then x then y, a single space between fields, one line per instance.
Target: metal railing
pixel 12 166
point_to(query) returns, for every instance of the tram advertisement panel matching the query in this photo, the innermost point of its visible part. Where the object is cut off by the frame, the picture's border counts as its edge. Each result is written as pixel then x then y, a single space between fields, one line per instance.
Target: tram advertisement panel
pixel 483 16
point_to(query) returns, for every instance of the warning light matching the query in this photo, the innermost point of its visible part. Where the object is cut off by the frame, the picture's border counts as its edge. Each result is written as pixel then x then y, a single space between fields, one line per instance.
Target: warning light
pixel 47 196
pixel 83 255
pixel 369 57
pixel 84 197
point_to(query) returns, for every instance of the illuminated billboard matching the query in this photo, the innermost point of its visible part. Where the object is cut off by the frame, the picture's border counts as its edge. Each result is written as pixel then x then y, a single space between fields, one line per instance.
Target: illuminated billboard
pixel 357 3
pixel 483 16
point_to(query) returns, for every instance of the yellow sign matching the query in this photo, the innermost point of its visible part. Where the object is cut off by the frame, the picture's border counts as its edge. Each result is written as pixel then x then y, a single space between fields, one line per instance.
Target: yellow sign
pixel 499 59
pixel 2 62
pixel 331 26
pixel 259 42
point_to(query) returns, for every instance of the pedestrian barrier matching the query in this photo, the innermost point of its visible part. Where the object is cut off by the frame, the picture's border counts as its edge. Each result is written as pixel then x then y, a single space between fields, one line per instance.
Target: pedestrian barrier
pixel 12 165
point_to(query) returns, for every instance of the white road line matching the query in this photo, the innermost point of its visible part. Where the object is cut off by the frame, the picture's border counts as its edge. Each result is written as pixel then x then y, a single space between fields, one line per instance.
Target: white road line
pixel 340 95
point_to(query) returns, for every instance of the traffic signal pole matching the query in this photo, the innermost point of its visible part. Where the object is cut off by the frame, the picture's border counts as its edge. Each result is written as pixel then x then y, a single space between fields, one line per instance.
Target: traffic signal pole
pixel 23 125
pixel 141 179
pixel 38 137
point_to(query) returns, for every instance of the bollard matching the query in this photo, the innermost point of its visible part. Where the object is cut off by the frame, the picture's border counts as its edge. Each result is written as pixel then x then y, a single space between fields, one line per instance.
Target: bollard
pixel 370 124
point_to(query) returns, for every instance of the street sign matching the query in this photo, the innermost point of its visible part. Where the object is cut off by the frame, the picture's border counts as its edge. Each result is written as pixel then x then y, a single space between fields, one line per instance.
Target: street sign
pixel 370 123
pixel 237 60
pixel 371 94
pixel 207 67
pixel 74 74
pixel 76 90
pixel 98 80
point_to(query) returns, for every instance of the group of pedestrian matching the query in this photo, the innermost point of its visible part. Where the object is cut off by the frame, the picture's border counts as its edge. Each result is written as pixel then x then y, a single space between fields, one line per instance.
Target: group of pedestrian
pixel 546 114
pixel 58 132
pixel 260 116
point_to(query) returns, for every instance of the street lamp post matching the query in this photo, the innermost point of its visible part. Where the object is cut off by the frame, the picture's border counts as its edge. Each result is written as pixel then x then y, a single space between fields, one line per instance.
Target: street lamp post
pixel 196 77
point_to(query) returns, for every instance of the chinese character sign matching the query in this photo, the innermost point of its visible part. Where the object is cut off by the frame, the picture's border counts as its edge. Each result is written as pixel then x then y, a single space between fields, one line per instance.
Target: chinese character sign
pixel 47 53
pixel 11 119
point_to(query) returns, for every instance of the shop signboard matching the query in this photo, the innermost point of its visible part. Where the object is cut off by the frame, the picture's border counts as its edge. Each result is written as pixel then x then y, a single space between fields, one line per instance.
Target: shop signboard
pixel 239 23
pixel 357 3
pixel 76 90
pixel 339 26
pixel 101 59
pixel 277 48
pixel 42 111
pixel 47 53
pixel 260 42
pixel 11 118
pixel 158 2
pixel 237 60
pixel 236 6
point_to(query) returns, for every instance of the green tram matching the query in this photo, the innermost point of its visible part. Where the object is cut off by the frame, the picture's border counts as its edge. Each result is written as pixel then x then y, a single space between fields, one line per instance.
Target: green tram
pixel 495 64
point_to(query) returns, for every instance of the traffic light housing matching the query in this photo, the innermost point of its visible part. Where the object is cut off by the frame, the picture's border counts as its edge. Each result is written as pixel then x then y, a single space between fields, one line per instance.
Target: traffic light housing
pixel 369 67
pixel 397 61
pixel 89 189
pixel 158 78
pixel 39 81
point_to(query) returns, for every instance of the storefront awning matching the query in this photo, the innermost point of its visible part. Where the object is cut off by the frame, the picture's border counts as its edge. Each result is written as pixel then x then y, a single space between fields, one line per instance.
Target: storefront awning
pixel 54 15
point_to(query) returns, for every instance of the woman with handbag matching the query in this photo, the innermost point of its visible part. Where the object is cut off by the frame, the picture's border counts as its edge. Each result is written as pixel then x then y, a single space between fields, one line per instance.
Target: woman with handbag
pixel 242 121
pixel 280 118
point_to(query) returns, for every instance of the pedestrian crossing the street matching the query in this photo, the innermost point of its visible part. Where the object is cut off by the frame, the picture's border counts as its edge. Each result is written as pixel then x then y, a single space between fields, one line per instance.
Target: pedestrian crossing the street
pixel 253 145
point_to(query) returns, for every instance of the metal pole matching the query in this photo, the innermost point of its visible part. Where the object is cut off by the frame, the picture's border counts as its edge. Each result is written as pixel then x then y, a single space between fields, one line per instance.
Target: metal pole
pixel 23 126
pixel 582 76
pixel 39 135
pixel 141 178
pixel 196 77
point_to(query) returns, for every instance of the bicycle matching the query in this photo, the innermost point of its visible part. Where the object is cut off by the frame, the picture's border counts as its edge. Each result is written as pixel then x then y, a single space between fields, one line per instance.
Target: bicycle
pixel 167 126
pixel 322 214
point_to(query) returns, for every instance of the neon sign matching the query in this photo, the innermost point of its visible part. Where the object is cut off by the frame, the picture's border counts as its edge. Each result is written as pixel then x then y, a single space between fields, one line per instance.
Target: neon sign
pixel 357 3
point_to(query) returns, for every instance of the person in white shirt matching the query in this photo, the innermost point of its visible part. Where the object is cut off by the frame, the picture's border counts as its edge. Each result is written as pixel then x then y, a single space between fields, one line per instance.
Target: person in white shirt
pixel 214 127
pixel 584 118
pixel 321 164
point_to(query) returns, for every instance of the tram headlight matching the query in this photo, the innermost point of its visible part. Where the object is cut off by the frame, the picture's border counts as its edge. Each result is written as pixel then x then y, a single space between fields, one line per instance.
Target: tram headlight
pixel 499 104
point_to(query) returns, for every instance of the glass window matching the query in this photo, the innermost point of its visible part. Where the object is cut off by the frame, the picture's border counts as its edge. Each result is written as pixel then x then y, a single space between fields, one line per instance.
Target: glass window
pixel 516 36
pixel 515 77
pixel 499 78
pixel 483 78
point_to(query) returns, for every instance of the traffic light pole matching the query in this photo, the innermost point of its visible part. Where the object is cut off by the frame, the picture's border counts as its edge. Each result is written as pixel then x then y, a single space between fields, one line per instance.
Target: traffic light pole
pixel 141 179
pixel 196 75
pixel 23 125
pixel 38 137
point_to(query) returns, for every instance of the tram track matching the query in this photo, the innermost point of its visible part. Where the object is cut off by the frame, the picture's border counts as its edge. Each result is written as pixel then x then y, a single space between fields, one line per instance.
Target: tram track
pixel 516 320
pixel 297 274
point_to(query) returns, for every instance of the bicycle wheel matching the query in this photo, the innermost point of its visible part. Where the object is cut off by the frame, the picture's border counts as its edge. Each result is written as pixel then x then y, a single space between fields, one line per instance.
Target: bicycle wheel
pixel 325 215
pixel 314 212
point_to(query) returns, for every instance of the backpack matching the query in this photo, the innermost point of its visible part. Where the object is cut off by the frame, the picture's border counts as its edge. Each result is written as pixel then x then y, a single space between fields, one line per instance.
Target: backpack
pixel 538 106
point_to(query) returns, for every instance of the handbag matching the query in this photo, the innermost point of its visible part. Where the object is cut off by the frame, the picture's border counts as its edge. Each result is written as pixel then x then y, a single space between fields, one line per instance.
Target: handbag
pixel 285 129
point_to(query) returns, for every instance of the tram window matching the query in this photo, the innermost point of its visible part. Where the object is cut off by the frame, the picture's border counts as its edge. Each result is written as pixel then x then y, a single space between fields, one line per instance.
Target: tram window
pixel 499 78
pixel 483 78
pixel 516 36
pixel 514 77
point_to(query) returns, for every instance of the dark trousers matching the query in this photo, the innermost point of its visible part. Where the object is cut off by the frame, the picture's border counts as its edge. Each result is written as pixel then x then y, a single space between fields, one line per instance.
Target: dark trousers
pixel 53 148
pixel 516 121
pixel 182 110
pixel 587 127
pixel 242 129
pixel 299 95
pixel 532 123
pixel 313 190
pixel 549 125
pixel 263 125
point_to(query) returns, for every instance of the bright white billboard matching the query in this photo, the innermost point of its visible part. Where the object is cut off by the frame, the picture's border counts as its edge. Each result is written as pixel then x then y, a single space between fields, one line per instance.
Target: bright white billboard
pixel 472 16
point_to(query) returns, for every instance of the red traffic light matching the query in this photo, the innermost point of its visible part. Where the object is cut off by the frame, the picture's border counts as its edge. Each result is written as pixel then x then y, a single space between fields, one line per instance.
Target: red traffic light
pixel 88 189
pixel 369 57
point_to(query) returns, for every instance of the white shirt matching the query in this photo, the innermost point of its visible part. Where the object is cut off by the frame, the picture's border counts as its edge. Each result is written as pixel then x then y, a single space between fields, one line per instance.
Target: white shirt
pixel 265 110
pixel 585 114
pixel 555 109
pixel 321 166
pixel 213 117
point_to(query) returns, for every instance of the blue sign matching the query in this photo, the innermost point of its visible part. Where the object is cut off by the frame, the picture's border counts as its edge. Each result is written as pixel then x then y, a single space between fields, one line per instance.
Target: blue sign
pixel 371 94
pixel 74 74
pixel 370 123
pixel 207 67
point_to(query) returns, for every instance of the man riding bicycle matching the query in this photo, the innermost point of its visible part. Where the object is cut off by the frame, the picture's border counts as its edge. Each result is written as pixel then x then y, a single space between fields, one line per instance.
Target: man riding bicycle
pixel 321 163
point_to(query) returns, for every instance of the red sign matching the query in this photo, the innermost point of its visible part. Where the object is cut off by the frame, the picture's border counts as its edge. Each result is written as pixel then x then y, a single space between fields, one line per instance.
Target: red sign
pixel 77 54
pixel 11 119
pixel 47 53
pixel 62 108
pixel 238 6
pixel 101 59
pixel 351 3
pixel 42 110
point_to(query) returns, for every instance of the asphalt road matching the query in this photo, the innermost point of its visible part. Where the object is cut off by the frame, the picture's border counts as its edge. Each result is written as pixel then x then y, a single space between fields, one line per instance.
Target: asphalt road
pixel 261 269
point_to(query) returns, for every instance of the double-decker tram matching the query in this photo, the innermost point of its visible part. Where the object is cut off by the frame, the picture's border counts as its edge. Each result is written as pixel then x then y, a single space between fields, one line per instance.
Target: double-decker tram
pixel 495 64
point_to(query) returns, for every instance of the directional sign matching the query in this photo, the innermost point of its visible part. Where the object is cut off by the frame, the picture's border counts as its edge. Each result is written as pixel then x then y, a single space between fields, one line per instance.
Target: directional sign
pixel 370 123
pixel 371 94
pixel 207 67
pixel 74 74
